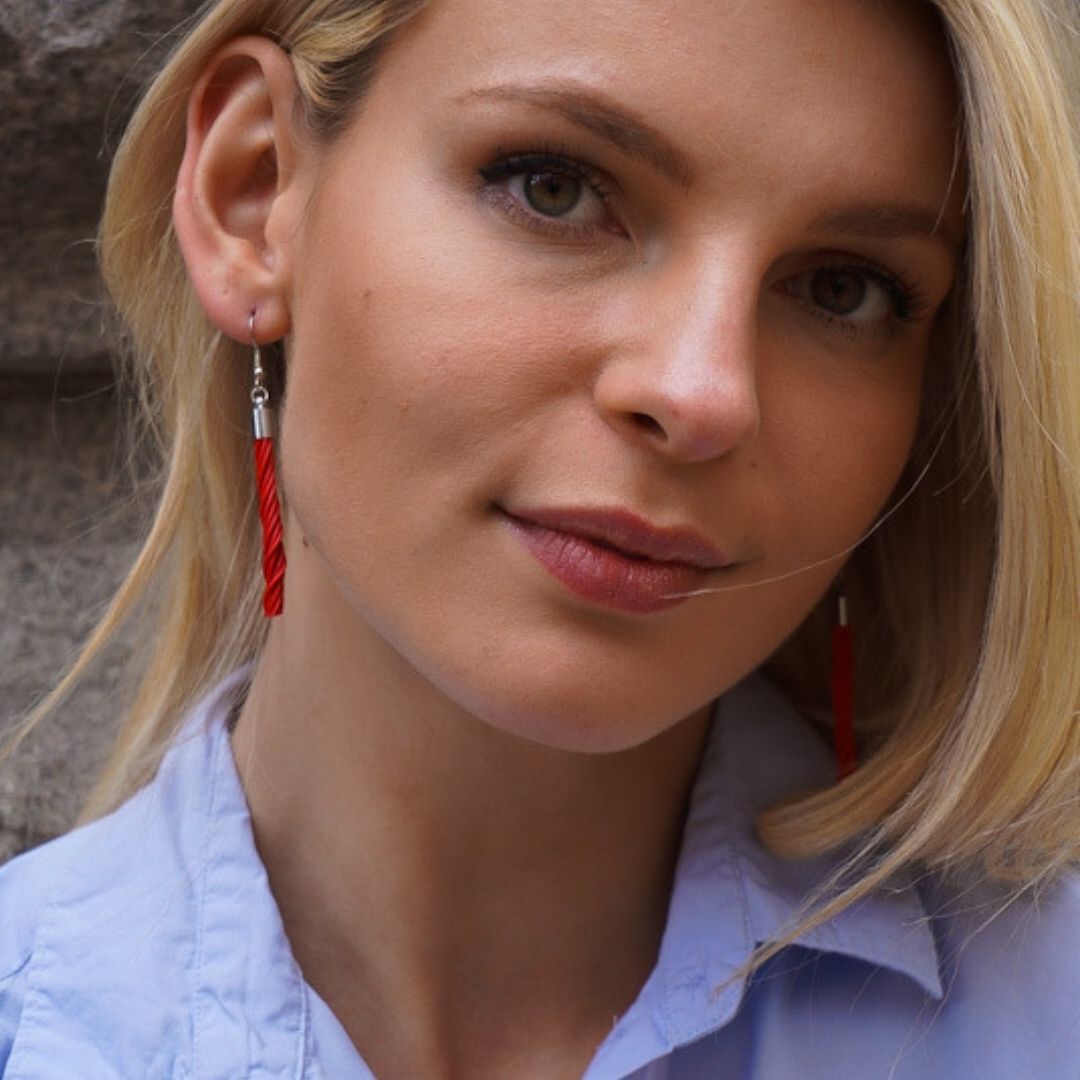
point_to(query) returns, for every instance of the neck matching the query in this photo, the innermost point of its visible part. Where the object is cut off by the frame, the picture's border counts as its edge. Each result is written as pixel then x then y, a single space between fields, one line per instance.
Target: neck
pixel 440 879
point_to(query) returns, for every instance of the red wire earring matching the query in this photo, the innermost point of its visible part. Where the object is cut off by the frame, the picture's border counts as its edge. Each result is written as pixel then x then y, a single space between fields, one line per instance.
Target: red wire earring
pixel 843 691
pixel 273 556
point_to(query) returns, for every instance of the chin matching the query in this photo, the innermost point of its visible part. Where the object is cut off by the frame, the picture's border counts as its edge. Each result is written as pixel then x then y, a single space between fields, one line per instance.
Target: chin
pixel 591 719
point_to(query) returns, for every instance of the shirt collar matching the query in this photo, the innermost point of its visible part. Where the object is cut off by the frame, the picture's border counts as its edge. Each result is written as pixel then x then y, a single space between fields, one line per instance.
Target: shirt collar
pixel 766 751
pixel 199 891
pixel 730 894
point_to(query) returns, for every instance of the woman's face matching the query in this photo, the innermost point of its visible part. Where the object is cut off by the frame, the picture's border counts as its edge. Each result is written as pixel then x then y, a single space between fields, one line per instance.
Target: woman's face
pixel 592 280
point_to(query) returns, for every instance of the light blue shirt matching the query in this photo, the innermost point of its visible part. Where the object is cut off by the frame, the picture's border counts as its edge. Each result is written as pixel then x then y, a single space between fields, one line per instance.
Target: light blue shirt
pixel 148 946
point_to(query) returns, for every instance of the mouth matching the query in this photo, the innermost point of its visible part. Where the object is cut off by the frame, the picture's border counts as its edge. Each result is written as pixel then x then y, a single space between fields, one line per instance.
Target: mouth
pixel 615 558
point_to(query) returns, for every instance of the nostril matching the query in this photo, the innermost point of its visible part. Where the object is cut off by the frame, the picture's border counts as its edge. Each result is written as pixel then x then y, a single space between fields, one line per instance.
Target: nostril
pixel 644 422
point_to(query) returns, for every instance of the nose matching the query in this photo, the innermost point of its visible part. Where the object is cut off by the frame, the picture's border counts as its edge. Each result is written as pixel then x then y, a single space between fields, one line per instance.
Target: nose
pixel 682 377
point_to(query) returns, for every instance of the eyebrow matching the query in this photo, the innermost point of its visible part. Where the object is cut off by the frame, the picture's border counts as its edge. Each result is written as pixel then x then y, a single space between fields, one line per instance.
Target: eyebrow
pixel 887 221
pixel 594 112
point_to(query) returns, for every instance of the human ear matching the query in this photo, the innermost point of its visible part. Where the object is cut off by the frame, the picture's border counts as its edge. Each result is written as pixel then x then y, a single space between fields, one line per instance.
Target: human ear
pixel 240 188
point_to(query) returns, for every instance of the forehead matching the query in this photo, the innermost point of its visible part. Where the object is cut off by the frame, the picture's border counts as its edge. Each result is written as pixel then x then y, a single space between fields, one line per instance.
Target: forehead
pixel 818 87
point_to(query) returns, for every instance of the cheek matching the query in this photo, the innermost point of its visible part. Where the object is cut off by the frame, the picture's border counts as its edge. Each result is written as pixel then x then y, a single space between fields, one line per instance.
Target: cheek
pixel 389 421
pixel 414 350
pixel 838 450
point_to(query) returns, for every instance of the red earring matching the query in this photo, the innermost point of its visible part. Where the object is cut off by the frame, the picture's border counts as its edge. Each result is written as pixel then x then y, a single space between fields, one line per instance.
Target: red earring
pixel 273 559
pixel 843 691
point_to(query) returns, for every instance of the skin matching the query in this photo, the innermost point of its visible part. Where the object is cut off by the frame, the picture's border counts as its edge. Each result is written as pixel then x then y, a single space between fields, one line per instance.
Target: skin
pixel 453 763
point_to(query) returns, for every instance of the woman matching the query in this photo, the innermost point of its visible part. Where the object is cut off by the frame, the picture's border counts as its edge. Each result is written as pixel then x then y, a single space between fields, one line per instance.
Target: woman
pixel 611 342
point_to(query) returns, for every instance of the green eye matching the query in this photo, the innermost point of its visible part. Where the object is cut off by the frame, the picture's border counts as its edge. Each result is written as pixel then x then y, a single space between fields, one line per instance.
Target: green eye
pixel 552 194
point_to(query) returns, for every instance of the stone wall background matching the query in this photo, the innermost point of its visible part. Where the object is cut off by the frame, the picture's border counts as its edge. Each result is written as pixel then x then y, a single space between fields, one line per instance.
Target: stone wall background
pixel 70 71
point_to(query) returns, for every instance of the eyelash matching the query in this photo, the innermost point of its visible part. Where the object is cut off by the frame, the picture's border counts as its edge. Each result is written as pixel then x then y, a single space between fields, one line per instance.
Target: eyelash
pixel 907 301
pixel 543 159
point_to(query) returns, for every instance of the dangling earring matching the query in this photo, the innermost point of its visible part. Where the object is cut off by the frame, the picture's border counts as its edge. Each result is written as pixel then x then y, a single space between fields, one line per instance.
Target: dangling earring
pixel 843 691
pixel 273 559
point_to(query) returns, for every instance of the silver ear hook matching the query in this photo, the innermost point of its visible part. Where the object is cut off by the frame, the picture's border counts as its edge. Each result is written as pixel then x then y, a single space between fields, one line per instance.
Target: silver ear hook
pixel 260 396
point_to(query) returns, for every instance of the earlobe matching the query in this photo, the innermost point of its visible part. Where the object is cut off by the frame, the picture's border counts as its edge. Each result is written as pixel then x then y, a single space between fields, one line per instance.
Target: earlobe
pixel 237 182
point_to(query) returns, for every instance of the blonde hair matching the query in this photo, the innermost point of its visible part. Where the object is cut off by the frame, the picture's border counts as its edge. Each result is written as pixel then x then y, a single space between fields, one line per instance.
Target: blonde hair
pixel 969 595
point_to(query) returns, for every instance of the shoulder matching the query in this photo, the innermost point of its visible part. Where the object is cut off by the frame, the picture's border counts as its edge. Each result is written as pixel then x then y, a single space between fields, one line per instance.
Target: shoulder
pixel 26 883
pixel 98 927
pixel 1010 971
pixel 1031 937
pixel 75 913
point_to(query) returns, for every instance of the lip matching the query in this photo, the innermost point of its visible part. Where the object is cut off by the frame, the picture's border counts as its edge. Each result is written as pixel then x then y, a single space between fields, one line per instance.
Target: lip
pixel 616 558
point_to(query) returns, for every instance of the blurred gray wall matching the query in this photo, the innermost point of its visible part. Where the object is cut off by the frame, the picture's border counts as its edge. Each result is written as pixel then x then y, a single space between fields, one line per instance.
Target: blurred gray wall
pixel 70 71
